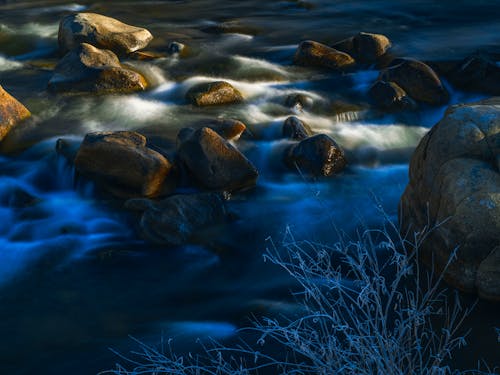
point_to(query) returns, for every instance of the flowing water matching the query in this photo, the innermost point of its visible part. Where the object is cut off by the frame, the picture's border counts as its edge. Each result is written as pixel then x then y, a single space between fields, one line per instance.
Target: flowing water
pixel 76 280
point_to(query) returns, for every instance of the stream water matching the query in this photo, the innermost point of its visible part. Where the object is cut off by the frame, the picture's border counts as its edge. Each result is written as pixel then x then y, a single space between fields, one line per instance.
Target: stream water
pixel 76 280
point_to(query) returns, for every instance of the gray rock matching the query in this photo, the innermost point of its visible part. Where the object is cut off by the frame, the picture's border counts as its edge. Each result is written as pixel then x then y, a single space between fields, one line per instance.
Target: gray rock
pixel 294 128
pixel 102 32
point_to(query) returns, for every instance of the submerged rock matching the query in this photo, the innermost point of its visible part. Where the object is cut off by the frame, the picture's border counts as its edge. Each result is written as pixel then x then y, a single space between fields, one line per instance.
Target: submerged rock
pixel 11 113
pixel 299 101
pixel 213 93
pixel 477 73
pixel 214 162
pixel 455 186
pixel 311 53
pixel 418 80
pixel 294 128
pixel 232 27
pixel 102 32
pixel 87 69
pixel 122 164
pixel 365 47
pixel 389 96
pixel 176 220
pixel 318 155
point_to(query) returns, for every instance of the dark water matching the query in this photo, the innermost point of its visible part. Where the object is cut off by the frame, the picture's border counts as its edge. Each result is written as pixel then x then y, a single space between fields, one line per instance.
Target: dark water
pixel 74 278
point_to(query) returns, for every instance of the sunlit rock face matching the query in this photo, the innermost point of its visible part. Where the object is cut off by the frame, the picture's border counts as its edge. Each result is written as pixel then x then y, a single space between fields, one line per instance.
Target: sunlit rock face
pixel 455 184
pixel 11 113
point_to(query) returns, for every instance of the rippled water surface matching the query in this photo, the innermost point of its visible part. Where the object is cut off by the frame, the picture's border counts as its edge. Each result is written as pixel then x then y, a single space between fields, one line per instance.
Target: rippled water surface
pixel 74 277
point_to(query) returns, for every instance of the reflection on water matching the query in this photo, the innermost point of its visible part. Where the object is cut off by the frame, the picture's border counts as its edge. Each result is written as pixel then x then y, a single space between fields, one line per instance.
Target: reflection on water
pixel 75 280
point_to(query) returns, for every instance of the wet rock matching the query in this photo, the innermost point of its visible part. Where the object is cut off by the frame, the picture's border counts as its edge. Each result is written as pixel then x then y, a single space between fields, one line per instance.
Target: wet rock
pixel 418 80
pixel 229 129
pixel 488 276
pixel 214 162
pixel 174 48
pixel 213 93
pixel 102 32
pixel 87 69
pixel 294 128
pixel 455 184
pixel 121 163
pixel 146 55
pixel 299 101
pixel 12 112
pixel 477 73
pixel 390 97
pixel 310 53
pixel 17 197
pixel 68 148
pixel 178 219
pixel 318 155
pixel 364 47
pixel 232 27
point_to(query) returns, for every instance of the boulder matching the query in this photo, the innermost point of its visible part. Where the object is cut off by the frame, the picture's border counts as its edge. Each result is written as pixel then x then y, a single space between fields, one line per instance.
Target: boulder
pixel 455 187
pixel 318 155
pixel 228 129
pixel 178 219
pixel 310 53
pixel 418 80
pixel 364 47
pixel 214 162
pixel 390 97
pixel 294 128
pixel 477 73
pixel 121 163
pixel 213 93
pixel 102 32
pixel 87 69
pixel 11 113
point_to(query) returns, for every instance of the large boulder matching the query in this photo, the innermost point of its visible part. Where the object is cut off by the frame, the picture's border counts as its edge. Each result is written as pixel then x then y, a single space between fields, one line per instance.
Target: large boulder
pixel 87 69
pixel 121 163
pixel 213 93
pixel 454 189
pixel 214 162
pixel 418 80
pixel 11 113
pixel 178 219
pixel 318 155
pixel 102 32
pixel 311 53
pixel 364 47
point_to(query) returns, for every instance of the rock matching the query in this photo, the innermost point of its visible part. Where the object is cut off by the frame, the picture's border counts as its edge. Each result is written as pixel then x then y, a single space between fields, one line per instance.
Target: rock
pixel 455 186
pixel 87 69
pixel 299 101
pixel 310 53
pixel 418 80
pixel 175 48
pixel 146 55
pixel 11 113
pixel 232 27
pixel 389 96
pixel 294 128
pixel 122 164
pixel 68 148
pixel 213 93
pixel 176 220
pixel 17 197
pixel 477 73
pixel 214 162
pixel 488 276
pixel 318 155
pixel 102 32
pixel 229 129
pixel 365 47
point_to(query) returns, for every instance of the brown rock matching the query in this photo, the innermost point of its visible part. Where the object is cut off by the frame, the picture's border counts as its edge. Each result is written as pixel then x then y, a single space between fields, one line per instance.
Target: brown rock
pixel 294 128
pixel 418 80
pixel 102 32
pixel 121 163
pixel 365 47
pixel 318 155
pixel 11 113
pixel 213 93
pixel 455 184
pixel 312 53
pixel 88 69
pixel 214 162
pixel 389 96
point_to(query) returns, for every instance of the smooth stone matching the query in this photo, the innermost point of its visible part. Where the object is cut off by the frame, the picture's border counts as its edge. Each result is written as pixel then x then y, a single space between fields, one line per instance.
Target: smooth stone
pixel 12 112
pixel 296 129
pixel 214 162
pixel 122 164
pixel 390 97
pixel 477 73
pixel 213 93
pixel 418 80
pixel 102 32
pixel 365 47
pixel 311 53
pixel 87 69
pixel 318 155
